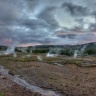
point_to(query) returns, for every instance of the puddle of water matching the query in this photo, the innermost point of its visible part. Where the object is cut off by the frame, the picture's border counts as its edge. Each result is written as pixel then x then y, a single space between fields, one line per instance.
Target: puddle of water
pixel 23 83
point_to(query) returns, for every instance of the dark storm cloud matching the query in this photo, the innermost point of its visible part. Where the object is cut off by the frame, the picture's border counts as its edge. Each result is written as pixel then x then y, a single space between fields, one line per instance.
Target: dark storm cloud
pixel 48 17
pixel 29 21
pixel 70 36
pixel 34 24
pixel 75 10
pixel 31 4
pixel 93 27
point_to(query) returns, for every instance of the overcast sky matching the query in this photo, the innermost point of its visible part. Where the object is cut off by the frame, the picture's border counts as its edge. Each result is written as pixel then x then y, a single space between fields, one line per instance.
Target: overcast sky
pixel 30 22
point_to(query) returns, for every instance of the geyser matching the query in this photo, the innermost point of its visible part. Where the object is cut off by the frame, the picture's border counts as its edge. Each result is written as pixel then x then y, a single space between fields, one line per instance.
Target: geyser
pixel 53 52
pixel 39 58
pixel 11 50
pixel 75 53
pixel 51 55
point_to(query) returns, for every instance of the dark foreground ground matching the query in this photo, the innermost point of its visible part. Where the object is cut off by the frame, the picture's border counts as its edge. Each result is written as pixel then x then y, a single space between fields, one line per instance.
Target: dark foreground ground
pixel 58 74
pixel 9 88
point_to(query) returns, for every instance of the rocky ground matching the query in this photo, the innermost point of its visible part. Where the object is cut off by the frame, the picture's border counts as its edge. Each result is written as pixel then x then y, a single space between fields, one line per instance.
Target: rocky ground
pixel 68 80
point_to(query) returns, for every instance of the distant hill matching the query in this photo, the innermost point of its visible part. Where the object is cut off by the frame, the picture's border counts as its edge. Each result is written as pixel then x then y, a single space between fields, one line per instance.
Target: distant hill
pixel 48 47
pixel 3 48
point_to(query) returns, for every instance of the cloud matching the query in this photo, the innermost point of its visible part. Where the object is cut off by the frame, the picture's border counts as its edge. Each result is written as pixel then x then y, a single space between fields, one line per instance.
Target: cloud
pixel 48 16
pixel 38 21
pixel 75 10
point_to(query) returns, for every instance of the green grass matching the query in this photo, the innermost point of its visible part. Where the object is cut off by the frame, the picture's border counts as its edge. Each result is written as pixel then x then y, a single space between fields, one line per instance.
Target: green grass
pixel 1 94
pixel 51 59
pixel 26 59
pixel 5 60
pixel 72 61
pixel 63 61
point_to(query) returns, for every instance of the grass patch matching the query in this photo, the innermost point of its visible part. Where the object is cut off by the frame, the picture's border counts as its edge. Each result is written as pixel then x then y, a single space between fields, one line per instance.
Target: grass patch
pixel 72 61
pixel 1 94
pixel 52 60
pixel 26 59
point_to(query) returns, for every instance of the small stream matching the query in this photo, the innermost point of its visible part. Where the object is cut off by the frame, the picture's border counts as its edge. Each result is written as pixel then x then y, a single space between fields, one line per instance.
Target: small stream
pixel 23 83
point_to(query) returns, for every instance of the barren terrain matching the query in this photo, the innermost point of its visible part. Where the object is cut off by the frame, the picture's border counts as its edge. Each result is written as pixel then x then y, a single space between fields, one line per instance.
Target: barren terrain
pixel 67 76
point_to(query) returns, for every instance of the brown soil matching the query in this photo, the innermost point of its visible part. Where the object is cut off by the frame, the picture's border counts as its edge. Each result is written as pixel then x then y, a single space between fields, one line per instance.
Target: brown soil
pixel 70 80
pixel 9 88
